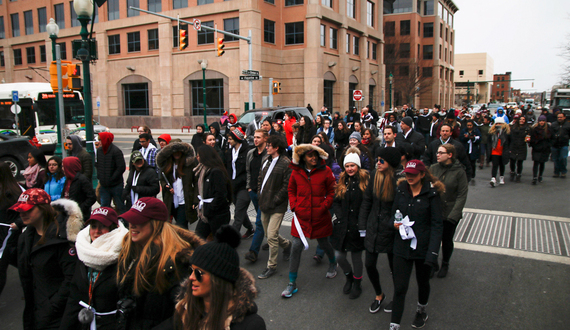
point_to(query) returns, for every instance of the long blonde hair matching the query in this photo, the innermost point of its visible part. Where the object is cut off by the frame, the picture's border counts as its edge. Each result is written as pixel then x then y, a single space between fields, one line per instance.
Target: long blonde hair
pixel 384 184
pixel 341 188
pixel 166 240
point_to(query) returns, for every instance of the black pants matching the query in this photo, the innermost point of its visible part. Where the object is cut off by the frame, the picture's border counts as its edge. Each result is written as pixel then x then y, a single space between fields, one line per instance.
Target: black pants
pixel 402 272
pixel 537 168
pixel 516 166
pixel 4 263
pixel 447 239
pixel 497 164
pixel 473 167
pixel 370 261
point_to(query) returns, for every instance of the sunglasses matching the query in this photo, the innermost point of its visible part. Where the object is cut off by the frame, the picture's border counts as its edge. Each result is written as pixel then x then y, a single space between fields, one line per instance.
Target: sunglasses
pixel 381 161
pixel 197 273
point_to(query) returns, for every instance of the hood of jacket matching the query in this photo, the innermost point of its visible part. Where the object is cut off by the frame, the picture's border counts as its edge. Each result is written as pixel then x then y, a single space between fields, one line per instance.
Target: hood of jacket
pixel 69 217
pixel 302 149
pixel 71 166
pixel 186 149
pixel 76 142
pixel 106 139
pixel 216 126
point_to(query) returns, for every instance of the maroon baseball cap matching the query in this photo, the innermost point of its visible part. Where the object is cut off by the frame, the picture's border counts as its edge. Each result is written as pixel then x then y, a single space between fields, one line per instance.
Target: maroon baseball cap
pixel 145 209
pixel 415 166
pixel 30 198
pixel 105 215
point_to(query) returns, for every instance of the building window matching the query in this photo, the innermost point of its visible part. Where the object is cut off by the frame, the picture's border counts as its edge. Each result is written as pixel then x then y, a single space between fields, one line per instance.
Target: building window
pixel 63 50
pixel 135 98
pixel 355 45
pixel 15 25
pixel 350 8
pixel 419 6
pixel 43 58
pixel 59 15
pixel 328 94
pixel 374 46
pixel 293 2
pixel 371 94
pixel 155 6
pixel 294 33
pixel 404 70
pixel 114 44
pixel 214 97
pixel 42 19
pixel 427 71
pixel 348 43
pixel 440 52
pixel 112 10
pixel 428 7
pixel 270 1
pixel 134 42
pixel 389 29
pixel 175 36
pixel 370 13
pixel 231 25
pixel 31 55
pixel 2 63
pixel 268 31
pixel 333 37
pixel 404 50
pixel 17 57
pixel 461 72
pixel 398 6
pixel 389 51
pixel 206 37
pixel 451 38
pixel 446 34
pixel 441 30
pixel 480 72
pixel 153 39
pixel 323 35
pixel 428 52
pixel 405 28
pixel 177 4
pixel 204 2
pixel 428 30
pixel 74 20
pixel 368 49
pixel 327 3
pixel 445 55
pixel 29 22
pixel 418 56
pixel 132 12
pixel 2 31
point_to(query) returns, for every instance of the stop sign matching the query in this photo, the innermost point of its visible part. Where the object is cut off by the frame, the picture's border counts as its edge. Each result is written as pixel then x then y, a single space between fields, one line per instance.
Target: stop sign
pixel 357 95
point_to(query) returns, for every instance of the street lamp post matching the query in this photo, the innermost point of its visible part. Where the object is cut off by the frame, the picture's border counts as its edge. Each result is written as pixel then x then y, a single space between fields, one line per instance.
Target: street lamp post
pixel 391 78
pixel 204 65
pixel 53 30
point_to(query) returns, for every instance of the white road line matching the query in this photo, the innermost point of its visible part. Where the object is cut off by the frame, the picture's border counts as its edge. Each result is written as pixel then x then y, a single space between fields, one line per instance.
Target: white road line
pixel 513 253
pixel 515 214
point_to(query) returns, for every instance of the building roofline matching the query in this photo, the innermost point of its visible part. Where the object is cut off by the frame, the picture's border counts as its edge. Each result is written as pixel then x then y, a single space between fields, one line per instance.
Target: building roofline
pixel 451 5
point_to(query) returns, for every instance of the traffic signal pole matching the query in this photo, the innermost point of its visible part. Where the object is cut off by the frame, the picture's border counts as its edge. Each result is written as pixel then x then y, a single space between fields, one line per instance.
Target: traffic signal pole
pixel 61 117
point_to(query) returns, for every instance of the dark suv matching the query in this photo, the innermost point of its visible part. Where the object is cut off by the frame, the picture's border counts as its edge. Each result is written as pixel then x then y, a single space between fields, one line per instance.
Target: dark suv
pixel 14 150
pixel 273 113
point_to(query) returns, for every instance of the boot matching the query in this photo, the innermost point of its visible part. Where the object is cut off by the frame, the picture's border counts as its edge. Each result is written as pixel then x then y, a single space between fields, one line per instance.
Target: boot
pixel 348 285
pixel 534 180
pixel 433 270
pixel 356 290
pixel 481 161
pixel 518 179
pixel 443 271
pixel 512 176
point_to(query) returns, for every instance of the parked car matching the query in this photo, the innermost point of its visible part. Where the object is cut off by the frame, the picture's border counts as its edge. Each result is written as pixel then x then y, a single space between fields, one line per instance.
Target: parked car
pixel 14 150
pixel 274 113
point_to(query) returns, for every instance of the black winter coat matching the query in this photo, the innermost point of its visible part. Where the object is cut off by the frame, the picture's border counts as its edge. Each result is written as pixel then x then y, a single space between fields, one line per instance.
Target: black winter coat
pixel 240 182
pixel 216 187
pixel 518 142
pixel 345 236
pixel 376 218
pixel 540 144
pixel 110 166
pixel 475 138
pixel 81 191
pixel 147 185
pixel 11 249
pixel 560 134
pixel 426 211
pixel 341 139
pixel 423 124
pixel 416 140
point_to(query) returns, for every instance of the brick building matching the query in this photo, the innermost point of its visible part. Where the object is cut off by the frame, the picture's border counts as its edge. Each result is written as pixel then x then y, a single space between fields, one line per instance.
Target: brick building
pixel 501 90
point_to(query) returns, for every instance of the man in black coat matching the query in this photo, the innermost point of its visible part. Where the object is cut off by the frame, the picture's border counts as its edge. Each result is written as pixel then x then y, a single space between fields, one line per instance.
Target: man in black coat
pixel 560 138
pixel 410 136
pixel 434 124
pixel 430 155
pixel 423 124
pixel 110 168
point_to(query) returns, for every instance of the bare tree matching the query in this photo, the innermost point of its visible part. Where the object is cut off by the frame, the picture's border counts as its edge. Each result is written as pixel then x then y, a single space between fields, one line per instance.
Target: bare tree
pixel 565 54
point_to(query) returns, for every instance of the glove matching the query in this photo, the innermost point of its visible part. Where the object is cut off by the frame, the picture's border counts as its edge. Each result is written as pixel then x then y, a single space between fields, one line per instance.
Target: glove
pixel 433 265
pixel 362 233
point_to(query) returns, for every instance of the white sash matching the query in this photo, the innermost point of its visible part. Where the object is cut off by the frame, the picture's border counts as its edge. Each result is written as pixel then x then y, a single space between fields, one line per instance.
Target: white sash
pixel 235 153
pixel 273 162
pixel 6 239
pixel 300 231
pixel 134 196
pixel 202 201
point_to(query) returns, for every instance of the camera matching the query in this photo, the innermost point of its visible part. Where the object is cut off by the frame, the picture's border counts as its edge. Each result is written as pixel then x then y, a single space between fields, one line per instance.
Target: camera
pixel 124 307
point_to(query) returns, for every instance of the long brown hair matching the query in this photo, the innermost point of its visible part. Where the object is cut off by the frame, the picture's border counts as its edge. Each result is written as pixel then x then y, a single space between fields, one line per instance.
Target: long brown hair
pixel 49 216
pixel 166 240
pixel 384 184
pixel 363 177
pixel 179 166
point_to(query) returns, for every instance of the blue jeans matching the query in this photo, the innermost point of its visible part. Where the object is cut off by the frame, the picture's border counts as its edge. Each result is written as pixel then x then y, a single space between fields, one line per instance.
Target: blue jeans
pixel 115 193
pixel 560 158
pixel 259 233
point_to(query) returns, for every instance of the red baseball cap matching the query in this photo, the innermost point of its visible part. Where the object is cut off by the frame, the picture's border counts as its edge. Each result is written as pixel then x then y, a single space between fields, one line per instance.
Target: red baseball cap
pixel 30 198
pixel 105 215
pixel 145 209
pixel 415 166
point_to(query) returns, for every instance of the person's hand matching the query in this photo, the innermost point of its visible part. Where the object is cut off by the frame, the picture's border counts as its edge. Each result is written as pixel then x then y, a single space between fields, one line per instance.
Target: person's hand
pixel 172 191
pixel 13 226
pixel 397 225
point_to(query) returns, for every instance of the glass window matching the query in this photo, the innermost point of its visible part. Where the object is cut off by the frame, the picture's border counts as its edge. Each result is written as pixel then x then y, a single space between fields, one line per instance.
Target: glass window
pixel 294 33
pixel 29 22
pixel 293 2
pixel 327 3
pixel 461 72
pixel 2 63
pixel 328 94
pixel 440 52
pixel 112 10
pixel 350 8
pixel 114 44
pixel 134 42
pixel 356 45
pixel 43 57
pixel 441 30
pixel 153 39
pixel 419 29
pixel 450 20
pixel 371 93
pixel 445 55
pixel 231 25
pixel 428 30
pixel 135 98
pixel 74 20
pixel 31 55
pixel 451 38
pixel 204 2
pixel 370 13
pixel 333 38
pixel 404 70
pixel 427 71
pixel 480 72
pixel 270 1
pixel 59 15
pixel 206 37
pixel 428 7
pixel 348 43
pixel 440 9
pixel 389 29
pixel 175 36
pixel 446 34
pixel 268 31
pixel 323 35
pixel 419 6
pixel 400 6
pixel 405 50
pixel 155 6
pixel 428 52
pixel 63 50
pixel 2 31
pixel 17 57
pixel 374 46
pixel 132 12
pixel 177 4
pixel 214 97
pixel 405 28
pixel 15 25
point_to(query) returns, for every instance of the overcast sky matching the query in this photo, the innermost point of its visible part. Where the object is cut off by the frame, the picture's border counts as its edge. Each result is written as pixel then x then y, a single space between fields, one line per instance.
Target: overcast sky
pixel 522 36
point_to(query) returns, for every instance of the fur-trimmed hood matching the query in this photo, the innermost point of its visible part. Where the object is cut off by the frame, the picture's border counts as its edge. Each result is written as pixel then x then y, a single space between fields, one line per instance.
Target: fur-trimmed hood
pixel 186 149
pixel 302 149
pixel 69 217
pixel 183 257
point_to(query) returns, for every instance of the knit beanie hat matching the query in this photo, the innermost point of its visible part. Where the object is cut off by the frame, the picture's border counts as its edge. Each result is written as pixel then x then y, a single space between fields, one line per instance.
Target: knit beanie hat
pixel 238 134
pixel 408 121
pixel 220 257
pixel 450 114
pixel 352 156
pixel 542 118
pixel 355 135
pixel 391 155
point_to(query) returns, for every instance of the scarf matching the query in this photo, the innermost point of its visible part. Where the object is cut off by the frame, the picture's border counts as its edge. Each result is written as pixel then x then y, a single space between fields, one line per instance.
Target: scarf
pixel 104 251
pixel 200 171
pixel 31 175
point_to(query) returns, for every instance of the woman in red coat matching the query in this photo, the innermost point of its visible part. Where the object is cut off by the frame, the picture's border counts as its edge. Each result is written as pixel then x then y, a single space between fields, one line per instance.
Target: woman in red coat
pixel 311 193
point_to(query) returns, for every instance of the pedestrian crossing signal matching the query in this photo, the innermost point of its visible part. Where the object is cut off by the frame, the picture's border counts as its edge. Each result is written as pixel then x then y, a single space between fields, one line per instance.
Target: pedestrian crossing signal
pixel 276 87
pixel 221 46
pixel 74 77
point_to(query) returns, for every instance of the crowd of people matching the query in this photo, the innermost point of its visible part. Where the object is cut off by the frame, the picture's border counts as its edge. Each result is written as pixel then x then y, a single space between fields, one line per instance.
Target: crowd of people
pixel 359 185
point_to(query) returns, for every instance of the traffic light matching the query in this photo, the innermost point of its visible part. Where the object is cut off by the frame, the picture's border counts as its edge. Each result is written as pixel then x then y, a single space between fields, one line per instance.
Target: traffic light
pixel 183 34
pixel 276 87
pixel 74 77
pixel 53 76
pixel 221 46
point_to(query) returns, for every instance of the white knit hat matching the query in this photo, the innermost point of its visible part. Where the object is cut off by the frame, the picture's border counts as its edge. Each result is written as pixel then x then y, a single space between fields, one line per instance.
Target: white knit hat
pixel 352 158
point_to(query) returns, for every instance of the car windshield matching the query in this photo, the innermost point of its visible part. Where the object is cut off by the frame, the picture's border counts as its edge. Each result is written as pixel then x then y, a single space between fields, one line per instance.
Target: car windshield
pixel 248 117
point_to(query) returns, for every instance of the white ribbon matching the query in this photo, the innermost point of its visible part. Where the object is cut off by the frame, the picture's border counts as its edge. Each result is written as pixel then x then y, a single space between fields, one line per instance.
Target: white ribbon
pixel 470 142
pixel 202 201
pixel 406 232
pixel 93 325
pixel 235 154
pixel 134 196
pixel 273 162
pixel 300 231
pixel 6 239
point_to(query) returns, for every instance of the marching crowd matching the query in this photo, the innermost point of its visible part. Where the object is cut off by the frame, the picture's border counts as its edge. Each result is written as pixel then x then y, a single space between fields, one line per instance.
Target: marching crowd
pixel 358 184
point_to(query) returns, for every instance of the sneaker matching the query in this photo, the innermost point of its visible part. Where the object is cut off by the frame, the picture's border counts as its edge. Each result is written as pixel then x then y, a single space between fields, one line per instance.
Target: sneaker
pixel 318 258
pixel 331 272
pixel 265 247
pixel 501 180
pixel 518 179
pixel 288 292
pixel 375 307
pixel 267 273
pixel 251 256
pixel 388 308
pixel 287 252
pixel 493 182
pixel 248 234
pixel 394 326
pixel 419 320
pixel 534 181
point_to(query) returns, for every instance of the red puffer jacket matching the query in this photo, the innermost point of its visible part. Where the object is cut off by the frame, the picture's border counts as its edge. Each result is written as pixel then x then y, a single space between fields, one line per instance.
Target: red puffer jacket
pixel 311 195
